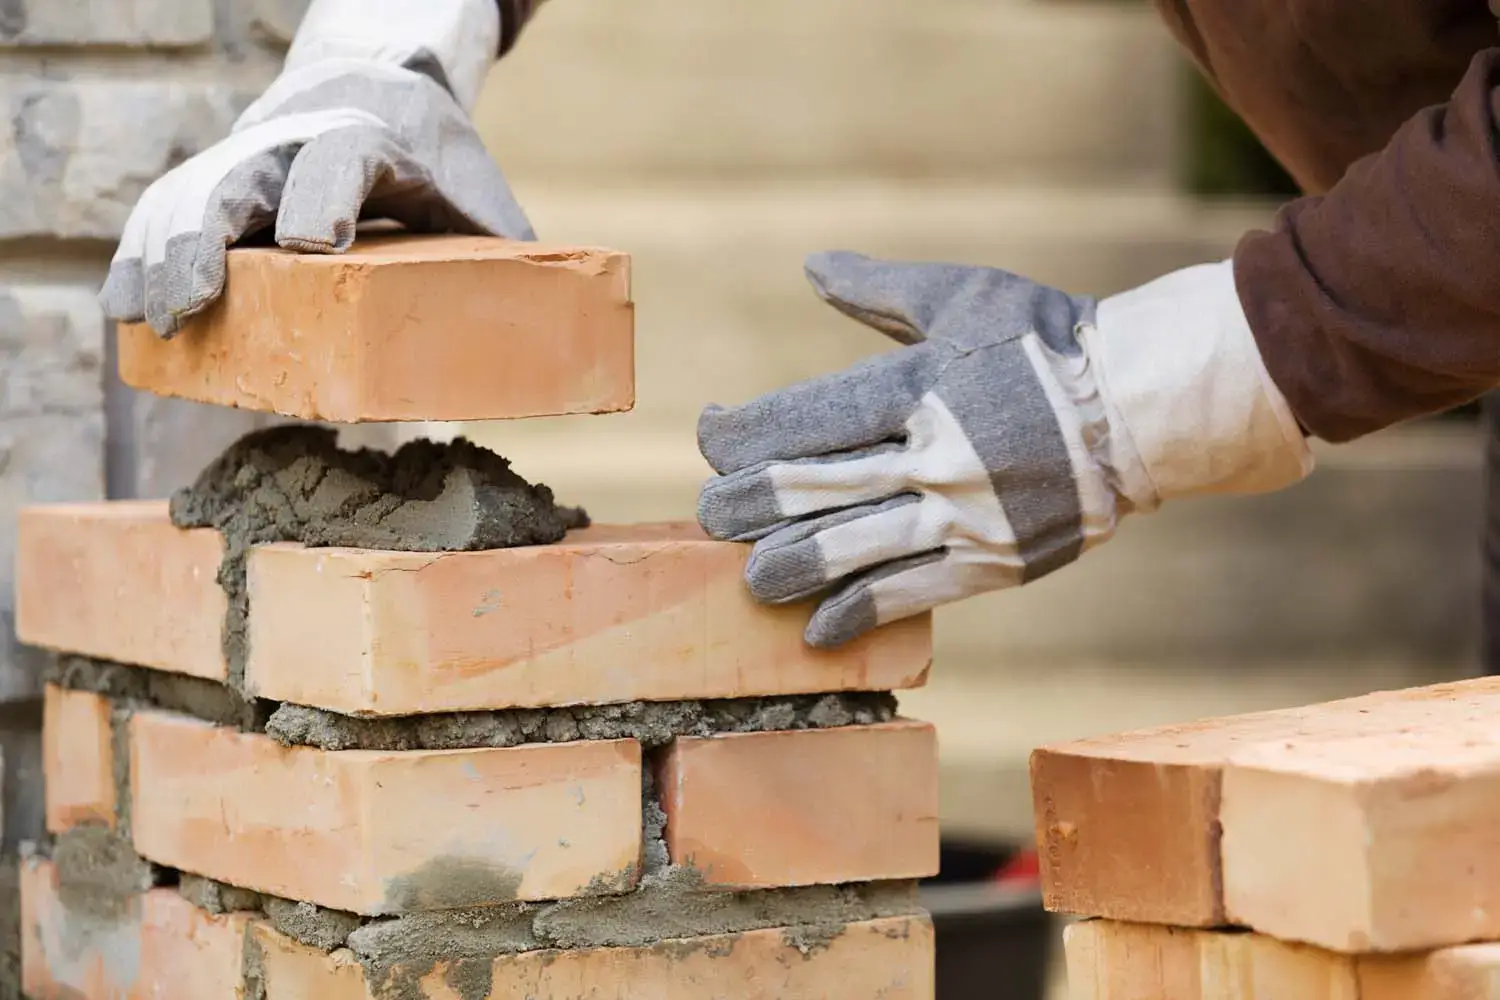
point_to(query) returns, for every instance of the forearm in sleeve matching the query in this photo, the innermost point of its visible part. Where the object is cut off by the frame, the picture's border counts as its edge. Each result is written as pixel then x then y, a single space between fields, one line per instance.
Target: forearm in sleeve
pixel 1379 301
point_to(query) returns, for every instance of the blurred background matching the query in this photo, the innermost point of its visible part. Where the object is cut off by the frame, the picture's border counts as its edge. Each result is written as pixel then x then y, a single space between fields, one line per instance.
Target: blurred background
pixel 719 143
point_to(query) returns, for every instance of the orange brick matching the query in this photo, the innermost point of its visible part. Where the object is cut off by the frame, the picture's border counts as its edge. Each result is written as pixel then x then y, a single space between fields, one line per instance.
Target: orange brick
pixel 1194 825
pixel 189 954
pixel 405 328
pixel 651 612
pixel 890 958
pixel 805 808
pixel 157 947
pixel 377 832
pixel 1122 961
pixel 117 581
pixel 77 759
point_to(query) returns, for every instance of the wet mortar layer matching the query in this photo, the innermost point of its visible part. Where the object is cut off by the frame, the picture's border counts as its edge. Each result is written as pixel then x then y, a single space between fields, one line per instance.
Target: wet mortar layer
pixel 293 483
pixel 654 724
pixel 671 905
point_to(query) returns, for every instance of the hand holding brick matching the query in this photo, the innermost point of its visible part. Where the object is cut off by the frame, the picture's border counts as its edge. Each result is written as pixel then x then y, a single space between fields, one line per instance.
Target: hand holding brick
pixel 405 328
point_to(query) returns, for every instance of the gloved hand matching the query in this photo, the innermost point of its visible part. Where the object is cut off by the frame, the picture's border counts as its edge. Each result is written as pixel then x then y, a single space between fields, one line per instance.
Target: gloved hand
pixel 1008 436
pixel 369 117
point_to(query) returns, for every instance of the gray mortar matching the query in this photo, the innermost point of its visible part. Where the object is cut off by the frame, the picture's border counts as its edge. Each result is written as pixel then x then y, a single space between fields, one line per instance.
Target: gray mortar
pixel 139 687
pixel 253 969
pixel 671 905
pixel 99 874
pixel 216 897
pixel 10 927
pixel 314 926
pixel 654 724
pixel 292 483
pixel 654 854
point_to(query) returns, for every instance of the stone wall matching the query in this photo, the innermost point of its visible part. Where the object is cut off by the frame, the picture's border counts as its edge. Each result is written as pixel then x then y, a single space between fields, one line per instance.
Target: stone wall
pixel 101 97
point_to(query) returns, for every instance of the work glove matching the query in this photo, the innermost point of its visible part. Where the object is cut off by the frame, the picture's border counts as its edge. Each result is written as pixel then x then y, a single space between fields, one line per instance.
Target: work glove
pixel 369 118
pixel 1009 435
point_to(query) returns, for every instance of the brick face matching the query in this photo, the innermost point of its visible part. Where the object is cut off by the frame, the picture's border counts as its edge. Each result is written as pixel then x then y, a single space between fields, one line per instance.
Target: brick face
pixel 77 759
pixel 655 612
pixel 804 808
pixel 153 946
pixel 119 582
pixel 406 328
pixel 377 833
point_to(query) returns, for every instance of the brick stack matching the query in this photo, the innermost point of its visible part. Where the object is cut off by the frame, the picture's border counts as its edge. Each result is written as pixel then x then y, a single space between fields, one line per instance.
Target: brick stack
pixel 1343 851
pixel 594 768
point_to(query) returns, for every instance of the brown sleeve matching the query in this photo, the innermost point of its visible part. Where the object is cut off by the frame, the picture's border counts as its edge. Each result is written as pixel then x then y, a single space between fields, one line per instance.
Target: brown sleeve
pixel 1377 300
pixel 514 16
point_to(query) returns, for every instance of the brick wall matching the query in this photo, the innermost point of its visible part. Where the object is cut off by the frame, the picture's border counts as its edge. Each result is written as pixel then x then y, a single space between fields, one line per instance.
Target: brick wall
pixel 102 97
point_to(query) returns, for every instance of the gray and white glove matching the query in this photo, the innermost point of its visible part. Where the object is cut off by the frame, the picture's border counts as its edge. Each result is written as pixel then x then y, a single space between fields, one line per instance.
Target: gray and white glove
pixel 370 118
pixel 1008 436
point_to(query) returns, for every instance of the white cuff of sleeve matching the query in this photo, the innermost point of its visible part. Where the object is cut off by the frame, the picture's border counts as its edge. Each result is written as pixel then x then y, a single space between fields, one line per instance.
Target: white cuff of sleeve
pixel 1182 378
pixel 463 36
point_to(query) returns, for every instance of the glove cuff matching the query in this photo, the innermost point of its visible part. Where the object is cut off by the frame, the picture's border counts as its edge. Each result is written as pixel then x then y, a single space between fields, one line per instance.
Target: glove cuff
pixel 1188 393
pixel 454 41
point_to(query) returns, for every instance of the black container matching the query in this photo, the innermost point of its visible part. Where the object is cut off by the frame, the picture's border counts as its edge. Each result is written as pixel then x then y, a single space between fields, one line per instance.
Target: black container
pixel 994 941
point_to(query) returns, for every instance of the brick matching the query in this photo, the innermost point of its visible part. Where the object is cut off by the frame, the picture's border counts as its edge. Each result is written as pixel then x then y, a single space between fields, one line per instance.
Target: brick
pixel 154 946
pixel 812 807
pixel 891 958
pixel 77 759
pixel 1128 825
pixel 1122 961
pixel 382 833
pixel 51 404
pixel 405 328
pixel 116 580
pixel 1381 840
pixel 144 23
pixel 188 953
pixel 655 612
pixel 80 153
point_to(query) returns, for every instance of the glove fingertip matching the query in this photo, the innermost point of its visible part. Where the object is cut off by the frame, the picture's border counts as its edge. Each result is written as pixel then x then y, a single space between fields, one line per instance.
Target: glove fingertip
pixel 841 619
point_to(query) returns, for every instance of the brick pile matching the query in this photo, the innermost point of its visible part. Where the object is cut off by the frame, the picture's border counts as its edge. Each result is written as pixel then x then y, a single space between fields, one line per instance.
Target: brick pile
pixel 1342 851
pixel 591 768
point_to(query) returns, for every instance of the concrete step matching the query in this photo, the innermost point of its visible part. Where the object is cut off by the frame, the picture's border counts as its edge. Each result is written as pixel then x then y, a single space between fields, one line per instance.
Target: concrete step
pixel 724 311
pixel 957 89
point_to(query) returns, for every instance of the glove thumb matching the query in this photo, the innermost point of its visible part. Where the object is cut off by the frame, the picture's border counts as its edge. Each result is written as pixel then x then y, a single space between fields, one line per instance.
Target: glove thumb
pixel 889 296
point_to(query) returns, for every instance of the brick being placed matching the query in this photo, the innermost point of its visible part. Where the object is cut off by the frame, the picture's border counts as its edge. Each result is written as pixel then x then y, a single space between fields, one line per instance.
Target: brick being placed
pixel 1108 960
pixel 1363 825
pixel 404 328
pixel 604 615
